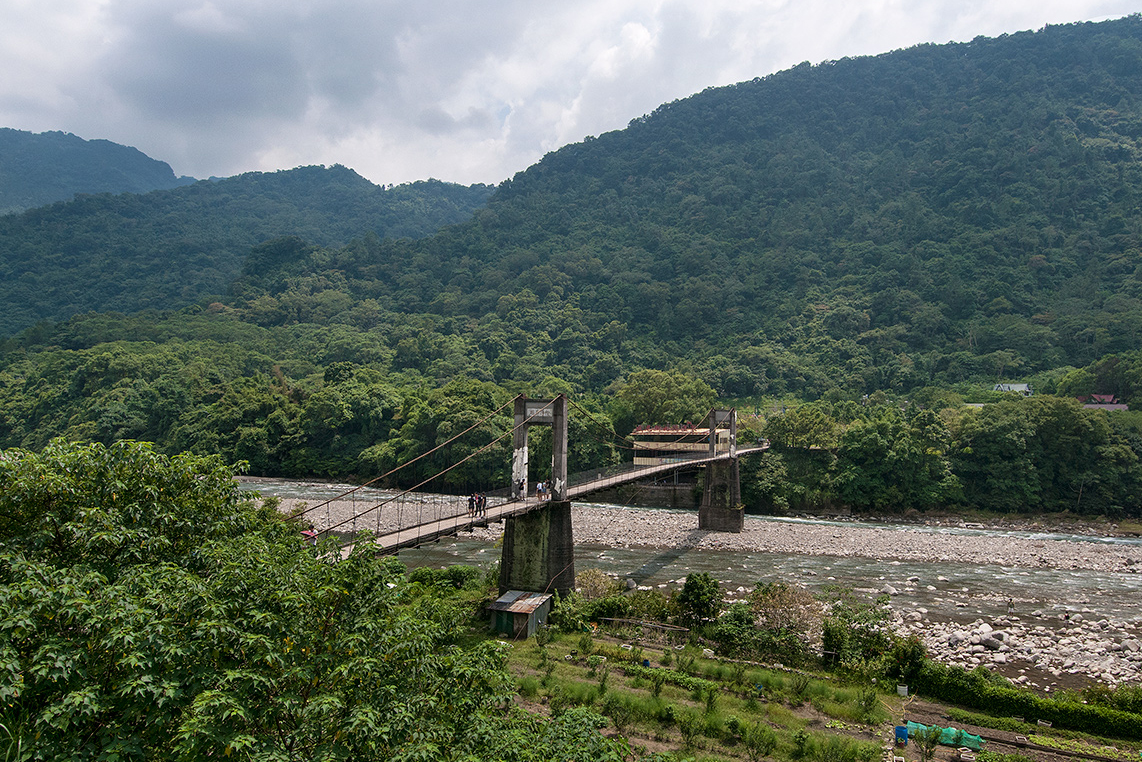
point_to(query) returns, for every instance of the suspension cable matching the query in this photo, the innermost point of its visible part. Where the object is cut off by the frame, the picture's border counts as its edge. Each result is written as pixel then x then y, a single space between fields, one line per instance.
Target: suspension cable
pixel 406 463
pixel 609 429
pixel 460 462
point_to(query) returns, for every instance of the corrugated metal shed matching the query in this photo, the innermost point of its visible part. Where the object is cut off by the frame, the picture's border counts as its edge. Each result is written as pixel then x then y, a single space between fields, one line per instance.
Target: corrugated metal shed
pixel 520 613
pixel 520 601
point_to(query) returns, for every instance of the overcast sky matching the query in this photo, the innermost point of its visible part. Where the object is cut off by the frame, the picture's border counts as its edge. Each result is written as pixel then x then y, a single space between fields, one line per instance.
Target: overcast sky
pixel 462 91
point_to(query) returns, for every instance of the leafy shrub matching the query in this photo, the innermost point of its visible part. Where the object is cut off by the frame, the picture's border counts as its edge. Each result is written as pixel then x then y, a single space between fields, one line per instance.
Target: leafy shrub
pixel 799 685
pixel 760 741
pixel 737 635
pixel 586 643
pixel 459 576
pixel 649 605
pixel 612 607
pixel 905 659
pixel 699 600
pixel 981 689
pixel 593 584
pixel 868 704
pixel 854 630
pixel 618 708
pixel 802 745
pixel 1127 698
pixel 462 576
pixel 690 726
pixel 567 613
pixel 711 700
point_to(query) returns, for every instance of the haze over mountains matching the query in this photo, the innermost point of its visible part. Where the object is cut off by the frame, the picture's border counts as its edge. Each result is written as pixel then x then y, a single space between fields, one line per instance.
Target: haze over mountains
pixel 38 169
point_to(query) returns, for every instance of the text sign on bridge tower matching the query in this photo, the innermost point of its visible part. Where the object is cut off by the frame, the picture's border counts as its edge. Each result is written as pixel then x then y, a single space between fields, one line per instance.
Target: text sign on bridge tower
pixel 539 412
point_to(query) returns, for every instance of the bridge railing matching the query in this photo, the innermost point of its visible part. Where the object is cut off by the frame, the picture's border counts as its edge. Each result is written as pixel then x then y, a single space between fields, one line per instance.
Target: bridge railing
pixel 618 473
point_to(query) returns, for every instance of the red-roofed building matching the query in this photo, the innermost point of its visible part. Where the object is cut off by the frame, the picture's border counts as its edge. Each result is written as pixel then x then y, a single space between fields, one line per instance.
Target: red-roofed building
pixel 658 445
pixel 1102 402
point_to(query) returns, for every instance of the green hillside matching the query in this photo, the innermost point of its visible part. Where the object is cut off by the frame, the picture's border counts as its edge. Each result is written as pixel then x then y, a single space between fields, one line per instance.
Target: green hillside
pixel 39 169
pixel 912 227
pixel 926 216
pixel 168 249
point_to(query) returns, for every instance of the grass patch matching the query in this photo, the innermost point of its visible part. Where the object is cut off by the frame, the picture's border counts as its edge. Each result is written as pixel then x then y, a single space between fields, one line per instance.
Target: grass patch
pixel 528 687
pixel 1077 746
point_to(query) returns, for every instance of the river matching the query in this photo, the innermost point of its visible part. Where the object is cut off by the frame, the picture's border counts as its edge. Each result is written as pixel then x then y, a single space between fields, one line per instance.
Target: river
pixel 942 590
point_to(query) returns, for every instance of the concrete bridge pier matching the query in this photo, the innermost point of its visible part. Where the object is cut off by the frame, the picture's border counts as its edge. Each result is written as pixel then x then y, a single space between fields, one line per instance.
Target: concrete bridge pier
pixel 539 548
pixel 721 508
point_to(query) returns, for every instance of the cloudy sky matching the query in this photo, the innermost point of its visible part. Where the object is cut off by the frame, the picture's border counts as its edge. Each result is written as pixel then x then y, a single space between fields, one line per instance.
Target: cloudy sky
pixel 403 90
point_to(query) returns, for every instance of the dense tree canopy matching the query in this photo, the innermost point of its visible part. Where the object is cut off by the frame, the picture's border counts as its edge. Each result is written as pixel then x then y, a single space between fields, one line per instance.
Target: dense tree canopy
pixel 149 611
pixel 1019 454
pixel 925 217
pixel 186 245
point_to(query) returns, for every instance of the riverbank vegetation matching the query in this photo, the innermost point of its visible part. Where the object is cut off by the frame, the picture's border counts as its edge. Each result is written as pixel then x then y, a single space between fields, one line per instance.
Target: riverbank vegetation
pixel 1035 455
pixel 347 419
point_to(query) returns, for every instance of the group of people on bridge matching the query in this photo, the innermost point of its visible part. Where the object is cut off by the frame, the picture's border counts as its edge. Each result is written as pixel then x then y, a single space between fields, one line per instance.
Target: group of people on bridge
pixel 477 504
pixel 542 490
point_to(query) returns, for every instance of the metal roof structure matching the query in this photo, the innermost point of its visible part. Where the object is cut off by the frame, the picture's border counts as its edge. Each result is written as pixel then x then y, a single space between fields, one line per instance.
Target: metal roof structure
pixel 520 601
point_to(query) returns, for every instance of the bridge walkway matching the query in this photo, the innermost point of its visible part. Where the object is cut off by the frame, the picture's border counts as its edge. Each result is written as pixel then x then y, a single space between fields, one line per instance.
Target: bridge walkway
pixel 498 510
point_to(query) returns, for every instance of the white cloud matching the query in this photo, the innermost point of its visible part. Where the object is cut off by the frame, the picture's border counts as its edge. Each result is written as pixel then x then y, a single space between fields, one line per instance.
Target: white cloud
pixel 451 89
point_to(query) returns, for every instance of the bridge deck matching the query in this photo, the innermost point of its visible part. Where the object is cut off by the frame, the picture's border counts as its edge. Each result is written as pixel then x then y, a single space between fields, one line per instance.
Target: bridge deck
pixel 419 534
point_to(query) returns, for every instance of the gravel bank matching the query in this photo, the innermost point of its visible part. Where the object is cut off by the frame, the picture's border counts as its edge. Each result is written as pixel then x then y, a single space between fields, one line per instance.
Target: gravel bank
pixel 648 527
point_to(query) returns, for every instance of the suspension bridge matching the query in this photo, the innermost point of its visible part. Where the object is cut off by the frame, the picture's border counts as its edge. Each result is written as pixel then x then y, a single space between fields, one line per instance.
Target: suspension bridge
pixel 538 550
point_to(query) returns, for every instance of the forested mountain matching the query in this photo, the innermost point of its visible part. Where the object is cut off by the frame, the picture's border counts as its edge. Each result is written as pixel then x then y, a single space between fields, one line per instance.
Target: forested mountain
pixel 167 249
pixel 929 215
pixel 38 169
pixel 908 227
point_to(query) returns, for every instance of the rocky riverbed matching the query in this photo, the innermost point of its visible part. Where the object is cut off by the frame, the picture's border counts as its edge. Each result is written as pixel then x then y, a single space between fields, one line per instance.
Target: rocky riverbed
pixel 1042 648
pixel 1047 644
pixel 642 527
pixel 1042 651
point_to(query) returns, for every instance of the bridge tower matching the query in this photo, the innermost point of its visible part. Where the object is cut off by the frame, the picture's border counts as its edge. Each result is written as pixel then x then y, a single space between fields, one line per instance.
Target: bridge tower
pixel 721 508
pixel 539 548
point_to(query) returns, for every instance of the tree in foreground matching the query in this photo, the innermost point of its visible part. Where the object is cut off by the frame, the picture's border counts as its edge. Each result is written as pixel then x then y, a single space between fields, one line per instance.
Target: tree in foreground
pixel 148 610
